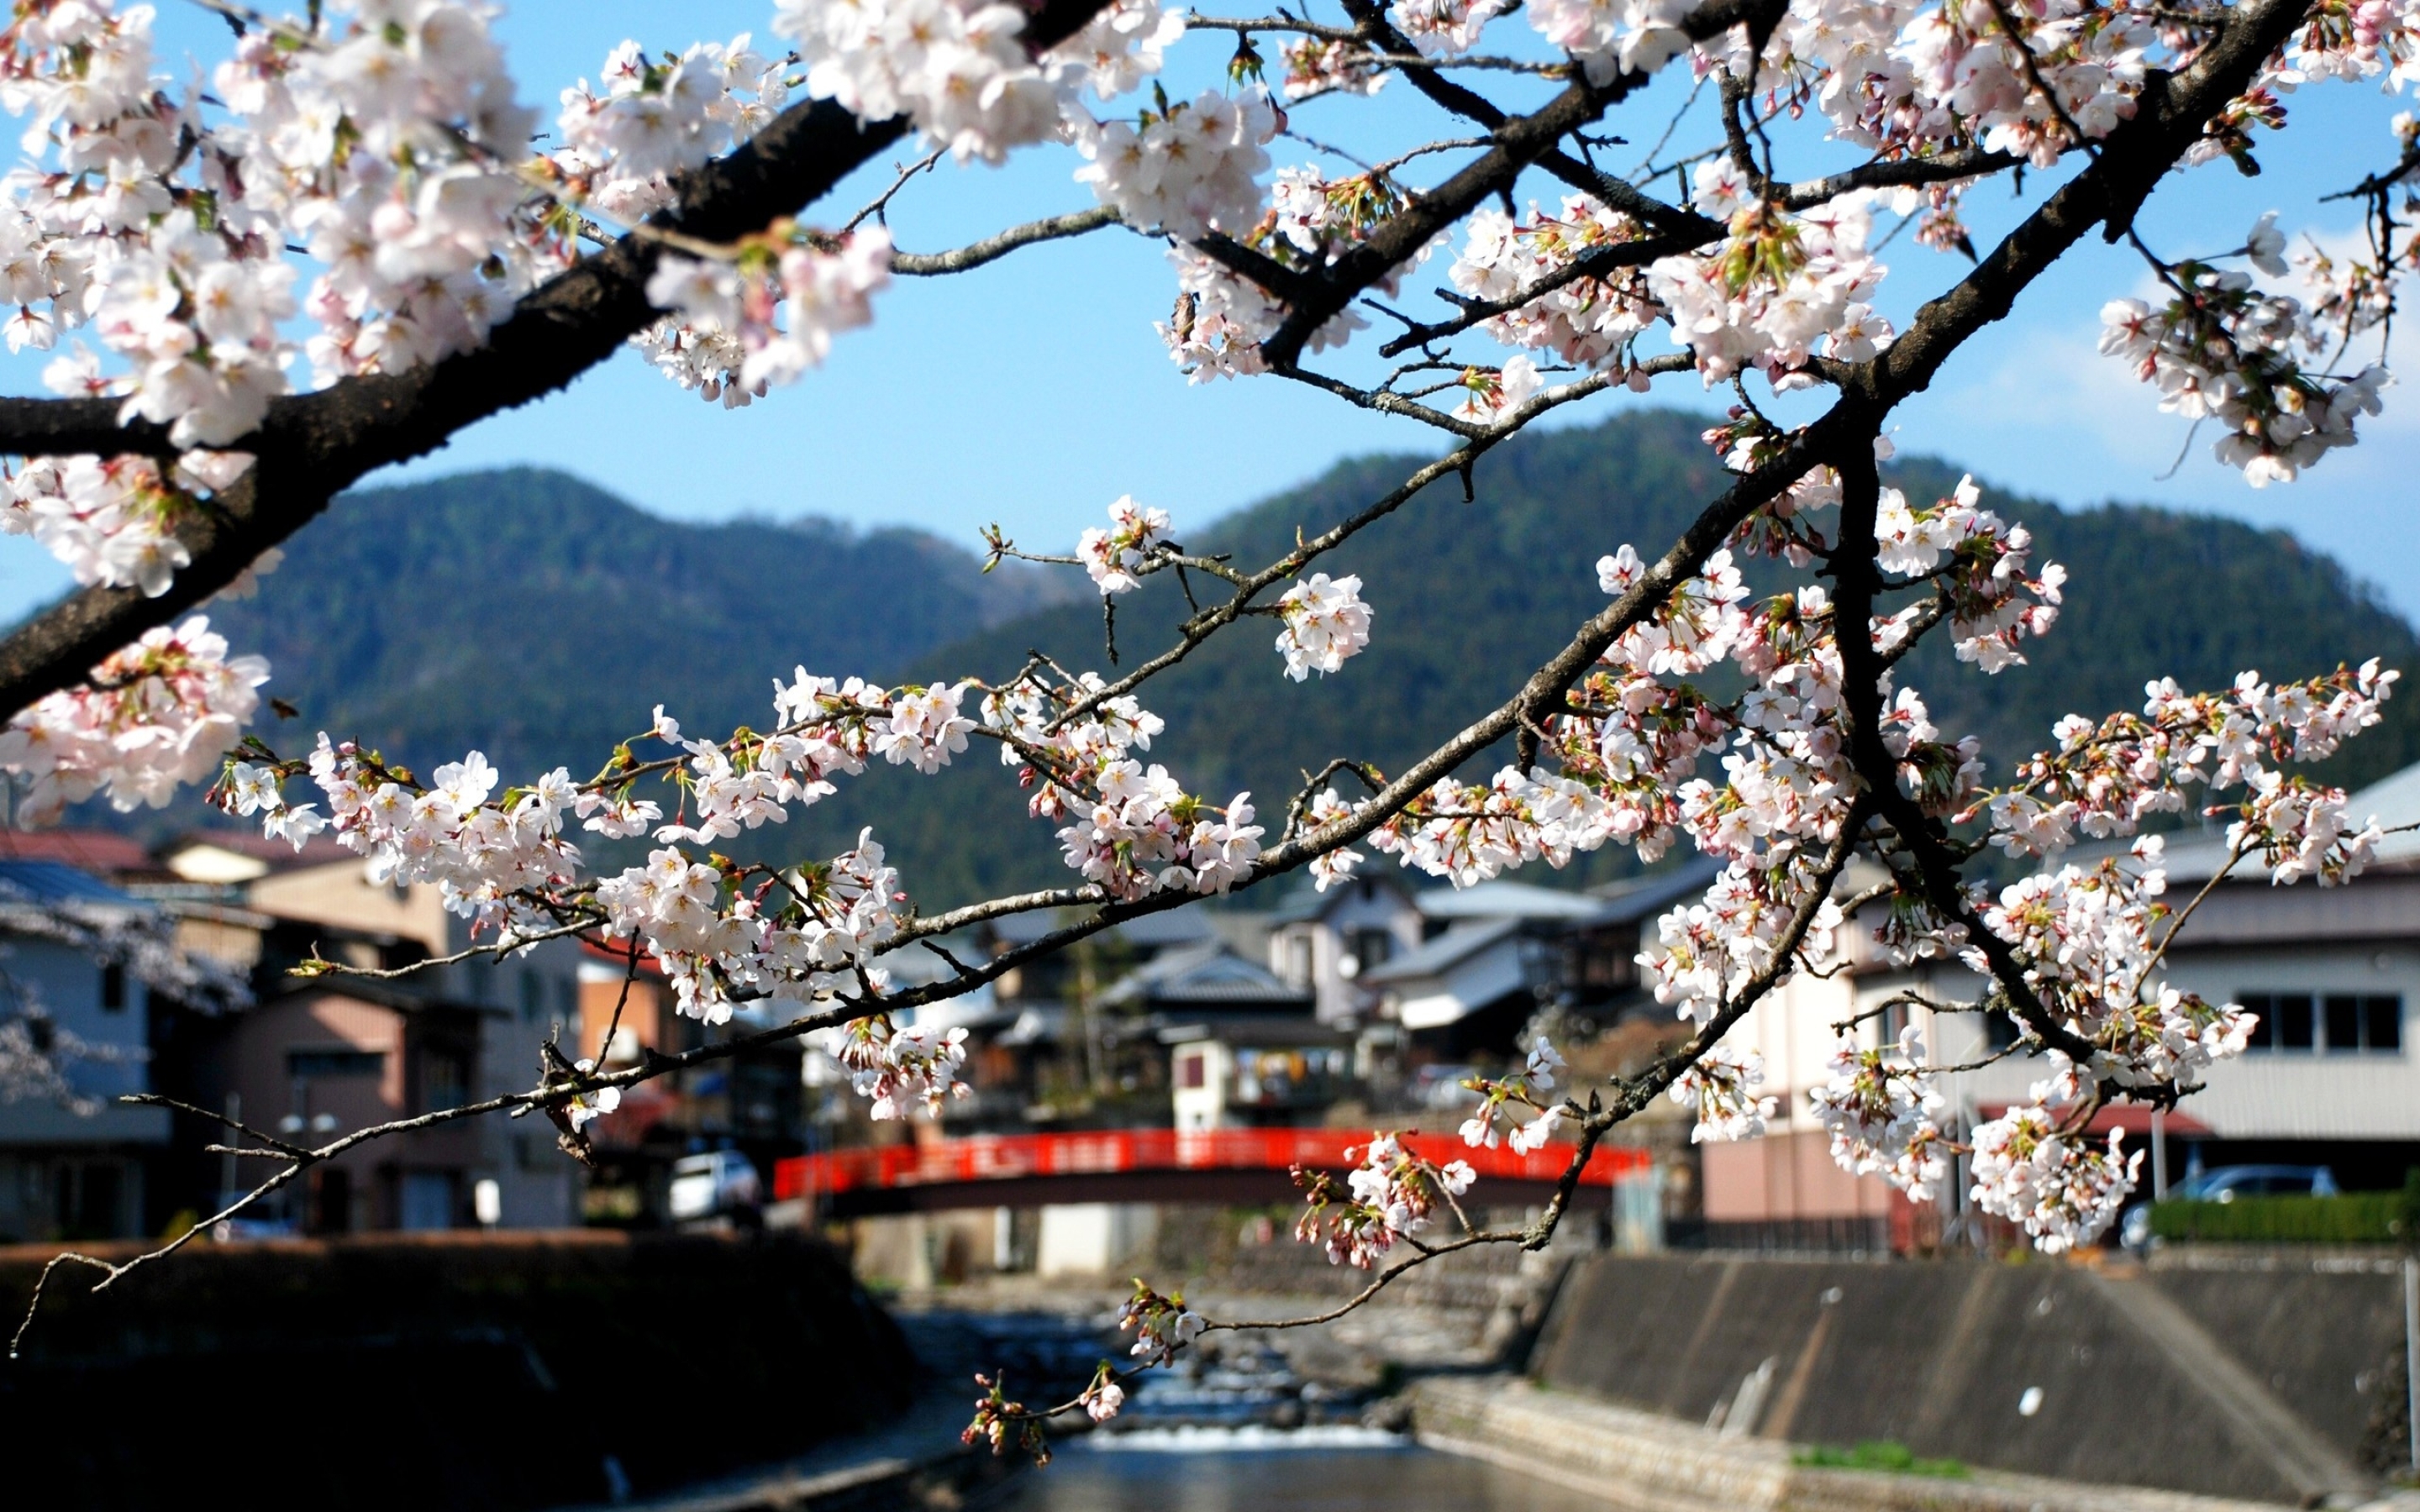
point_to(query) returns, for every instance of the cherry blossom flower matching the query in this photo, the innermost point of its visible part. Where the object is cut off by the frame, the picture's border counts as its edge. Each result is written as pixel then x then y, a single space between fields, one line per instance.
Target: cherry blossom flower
pixel 1326 621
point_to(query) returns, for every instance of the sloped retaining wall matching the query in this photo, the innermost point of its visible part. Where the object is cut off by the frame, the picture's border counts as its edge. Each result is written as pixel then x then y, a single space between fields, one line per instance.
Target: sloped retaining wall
pixel 1655 1464
pixel 460 1372
pixel 2263 1385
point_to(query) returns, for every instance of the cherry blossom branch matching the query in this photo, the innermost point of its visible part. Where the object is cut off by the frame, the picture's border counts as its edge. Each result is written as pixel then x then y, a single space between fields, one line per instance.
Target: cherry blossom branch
pixel 1519 142
pixel 993 248
pixel 313 446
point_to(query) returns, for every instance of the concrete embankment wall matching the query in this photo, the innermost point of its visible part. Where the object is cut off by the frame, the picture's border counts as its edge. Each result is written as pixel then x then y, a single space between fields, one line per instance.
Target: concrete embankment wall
pixel 1654 1464
pixel 2259 1384
pixel 455 1372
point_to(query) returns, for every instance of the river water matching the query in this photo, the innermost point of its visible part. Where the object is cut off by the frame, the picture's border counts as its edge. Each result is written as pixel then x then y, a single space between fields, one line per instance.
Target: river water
pixel 1250 1470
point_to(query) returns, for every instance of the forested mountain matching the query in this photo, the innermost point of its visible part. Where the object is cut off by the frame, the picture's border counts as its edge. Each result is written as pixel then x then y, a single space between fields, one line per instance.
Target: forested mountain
pixel 540 619
pixel 536 618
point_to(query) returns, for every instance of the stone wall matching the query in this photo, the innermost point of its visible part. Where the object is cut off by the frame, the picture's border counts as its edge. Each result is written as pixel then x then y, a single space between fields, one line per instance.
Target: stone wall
pixel 2259 1384
pixel 461 1372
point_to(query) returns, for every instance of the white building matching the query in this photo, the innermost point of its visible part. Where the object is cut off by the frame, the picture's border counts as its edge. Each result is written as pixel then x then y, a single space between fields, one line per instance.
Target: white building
pixel 2332 1078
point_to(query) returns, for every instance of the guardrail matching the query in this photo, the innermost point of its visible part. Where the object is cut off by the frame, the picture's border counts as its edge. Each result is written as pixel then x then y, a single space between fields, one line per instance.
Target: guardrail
pixel 1111 1151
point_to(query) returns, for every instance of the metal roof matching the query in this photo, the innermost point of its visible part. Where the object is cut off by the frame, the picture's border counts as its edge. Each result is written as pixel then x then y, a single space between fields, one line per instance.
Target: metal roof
pixel 1456 945
pixel 55 882
pixel 1205 973
pixel 1503 898
pixel 1631 900
pixel 1150 932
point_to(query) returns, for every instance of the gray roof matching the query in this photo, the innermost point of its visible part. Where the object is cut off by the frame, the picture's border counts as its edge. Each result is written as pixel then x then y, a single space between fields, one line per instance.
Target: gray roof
pixel 1306 901
pixel 1635 898
pixel 1150 932
pixel 1457 944
pixel 1503 898
pixel 55 882
pixel 1250 1029
pixel 1205 973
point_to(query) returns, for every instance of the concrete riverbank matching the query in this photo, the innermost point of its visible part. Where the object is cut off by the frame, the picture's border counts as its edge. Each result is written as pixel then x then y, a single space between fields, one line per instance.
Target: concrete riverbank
pixel 1646 1463
pixel 2265 1383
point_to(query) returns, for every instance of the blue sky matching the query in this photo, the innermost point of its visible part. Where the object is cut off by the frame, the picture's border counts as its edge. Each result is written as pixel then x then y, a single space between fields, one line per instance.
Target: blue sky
pixel 1034 391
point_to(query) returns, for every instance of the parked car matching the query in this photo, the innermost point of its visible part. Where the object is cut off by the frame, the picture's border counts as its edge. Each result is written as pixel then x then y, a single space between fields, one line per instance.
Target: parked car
pixel 2225 1183
pixel 1439 1087
pixel 721 1183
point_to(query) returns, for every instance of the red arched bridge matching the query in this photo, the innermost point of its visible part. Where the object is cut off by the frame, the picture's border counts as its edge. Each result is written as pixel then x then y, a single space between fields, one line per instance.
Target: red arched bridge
pixel 1226 1167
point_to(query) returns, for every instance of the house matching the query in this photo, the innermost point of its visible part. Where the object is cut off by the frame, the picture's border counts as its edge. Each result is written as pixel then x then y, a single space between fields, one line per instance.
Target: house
pixel 1321 942
pixel 2330 1078
pixel 1245 1048
pixel 87 987
pixel 466 1029
pixel 1499 952
pixel 330 1057
pixel 1066 1040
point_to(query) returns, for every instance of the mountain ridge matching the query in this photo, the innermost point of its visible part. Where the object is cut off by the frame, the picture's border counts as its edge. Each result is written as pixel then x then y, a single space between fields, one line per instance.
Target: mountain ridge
pixel 537 617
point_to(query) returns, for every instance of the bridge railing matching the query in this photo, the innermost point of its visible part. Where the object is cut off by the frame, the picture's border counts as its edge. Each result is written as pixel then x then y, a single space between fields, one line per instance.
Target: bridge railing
pixel 1007 1157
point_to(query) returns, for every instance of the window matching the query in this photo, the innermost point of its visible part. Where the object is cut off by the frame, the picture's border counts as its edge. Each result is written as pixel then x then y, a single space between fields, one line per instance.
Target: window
pixel 1297 960
pixel 533 1000
pixel 1999 1030
pixel 113 987
pixel 1371 947
pixel 2336 1023
pixel 1191 1072
pixel 444 1079
pixel 318 1063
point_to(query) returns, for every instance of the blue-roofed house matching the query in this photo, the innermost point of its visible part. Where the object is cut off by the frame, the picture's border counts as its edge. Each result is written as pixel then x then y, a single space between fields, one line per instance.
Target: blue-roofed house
pixel 86 975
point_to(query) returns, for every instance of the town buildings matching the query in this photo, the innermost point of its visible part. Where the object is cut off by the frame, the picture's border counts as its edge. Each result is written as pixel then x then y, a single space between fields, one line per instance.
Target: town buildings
pixel 2331 1079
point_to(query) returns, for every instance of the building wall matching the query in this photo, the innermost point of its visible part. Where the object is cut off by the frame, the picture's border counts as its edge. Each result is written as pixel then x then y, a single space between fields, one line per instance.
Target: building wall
pixel 382 1183
pixel 1784 1177
pixel 1203 1106
pixel 2261 1095
pixel 1366 903
pixel 65 1174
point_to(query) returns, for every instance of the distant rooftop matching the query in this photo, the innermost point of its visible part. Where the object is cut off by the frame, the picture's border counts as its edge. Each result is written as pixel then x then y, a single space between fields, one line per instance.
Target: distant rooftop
pixel 43 883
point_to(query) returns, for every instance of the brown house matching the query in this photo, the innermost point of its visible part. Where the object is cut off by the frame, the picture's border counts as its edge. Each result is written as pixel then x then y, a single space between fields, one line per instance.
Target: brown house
pixel 327 1059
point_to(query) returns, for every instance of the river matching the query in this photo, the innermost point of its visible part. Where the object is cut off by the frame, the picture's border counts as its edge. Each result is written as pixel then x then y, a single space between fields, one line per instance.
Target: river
pixel 1257 1469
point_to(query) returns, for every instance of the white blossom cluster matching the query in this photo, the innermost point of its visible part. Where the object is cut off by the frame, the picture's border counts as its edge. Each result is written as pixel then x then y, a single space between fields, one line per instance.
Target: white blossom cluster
pixel 649 121
pixel 1720 1088
pixel 1315 65
pixel 1879 1107
pixel 1113 556
pixel 1190 170
pixel 1781 288
pixel 162 713
pixel 1589 321
pixel 1527 1087
pixel 898 1070
pixel 2223 350
pixel 1993 603
pixel 1326 621
pixel 113 521
pixel 1221 317
pixel 1444 29
pixel 1390 1195
pixel 2104 780
pixel 736 329
pixel 1131 829
pixel 387 136
pixel 2057 1186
